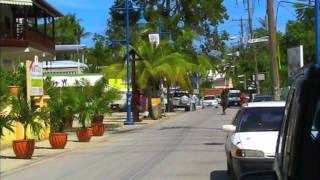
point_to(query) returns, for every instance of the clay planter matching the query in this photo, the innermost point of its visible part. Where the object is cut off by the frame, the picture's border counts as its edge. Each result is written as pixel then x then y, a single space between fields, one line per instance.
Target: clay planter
pixel 98 129
pixel 84 134
pixel 13 90
pixel 23 149
pixel 58 140
pixel 98 119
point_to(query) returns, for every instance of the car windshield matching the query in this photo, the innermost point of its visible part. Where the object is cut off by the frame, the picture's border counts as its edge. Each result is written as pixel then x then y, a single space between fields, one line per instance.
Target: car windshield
pixel 261 119
pixel 209 98
pixel 262 98
pixel 234 94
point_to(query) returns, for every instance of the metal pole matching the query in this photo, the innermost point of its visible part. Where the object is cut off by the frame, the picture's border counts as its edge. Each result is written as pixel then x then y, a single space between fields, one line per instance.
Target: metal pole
pixel 129 120
pixel 253 48
pixel 318 29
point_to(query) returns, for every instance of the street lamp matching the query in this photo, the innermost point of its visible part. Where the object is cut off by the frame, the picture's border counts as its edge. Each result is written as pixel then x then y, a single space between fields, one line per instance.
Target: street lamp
pixel 129 120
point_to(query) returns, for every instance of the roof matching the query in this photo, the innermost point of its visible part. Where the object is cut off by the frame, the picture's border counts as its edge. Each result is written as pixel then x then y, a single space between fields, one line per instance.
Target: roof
pixel 39 3
pixel 50 9
pixel 17 2
pixel 62 64
pixel 266 104
pixel 70 47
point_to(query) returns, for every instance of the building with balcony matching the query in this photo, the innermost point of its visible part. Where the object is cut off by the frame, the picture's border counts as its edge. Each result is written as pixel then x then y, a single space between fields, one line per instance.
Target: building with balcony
pixel 27 28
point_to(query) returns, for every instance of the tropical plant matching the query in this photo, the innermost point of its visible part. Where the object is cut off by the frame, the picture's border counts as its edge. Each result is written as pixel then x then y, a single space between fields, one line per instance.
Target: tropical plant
pixel 60 112
pixel 101 99
pixel 5 123
pixel 26 113
pixel 82 102
pixel 69 30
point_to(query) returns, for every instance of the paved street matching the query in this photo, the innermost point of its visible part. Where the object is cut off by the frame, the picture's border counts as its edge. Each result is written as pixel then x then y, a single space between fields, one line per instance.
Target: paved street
pixel 187 147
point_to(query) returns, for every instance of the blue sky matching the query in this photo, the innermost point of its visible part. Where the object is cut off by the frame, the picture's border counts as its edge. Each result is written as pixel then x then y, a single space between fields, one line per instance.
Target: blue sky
pixel 94 14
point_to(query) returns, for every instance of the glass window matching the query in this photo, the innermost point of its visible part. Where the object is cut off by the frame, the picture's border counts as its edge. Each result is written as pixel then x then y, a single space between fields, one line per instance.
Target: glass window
pixel 261 119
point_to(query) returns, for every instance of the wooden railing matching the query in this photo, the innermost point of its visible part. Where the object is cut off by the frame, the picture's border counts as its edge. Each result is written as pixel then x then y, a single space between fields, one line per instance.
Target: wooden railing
pixel 38 38
pixel 26 36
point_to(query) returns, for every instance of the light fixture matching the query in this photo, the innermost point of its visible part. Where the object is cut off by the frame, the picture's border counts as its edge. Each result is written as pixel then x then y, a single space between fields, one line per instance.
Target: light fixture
pixel 142 21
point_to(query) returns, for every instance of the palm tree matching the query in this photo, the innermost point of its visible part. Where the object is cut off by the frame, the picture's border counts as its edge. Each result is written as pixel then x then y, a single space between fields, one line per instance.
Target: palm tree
pixel 157 62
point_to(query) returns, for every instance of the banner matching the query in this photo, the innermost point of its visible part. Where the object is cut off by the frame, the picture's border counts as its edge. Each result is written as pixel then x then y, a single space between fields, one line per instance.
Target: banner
pixel 36 78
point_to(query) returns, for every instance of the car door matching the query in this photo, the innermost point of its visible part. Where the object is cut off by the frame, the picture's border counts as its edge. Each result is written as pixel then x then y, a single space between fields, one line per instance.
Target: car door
pixel 306 154
pixel 284 138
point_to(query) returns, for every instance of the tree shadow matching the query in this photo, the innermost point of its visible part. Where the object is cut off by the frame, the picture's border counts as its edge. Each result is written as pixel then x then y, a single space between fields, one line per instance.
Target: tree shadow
pixel 219 175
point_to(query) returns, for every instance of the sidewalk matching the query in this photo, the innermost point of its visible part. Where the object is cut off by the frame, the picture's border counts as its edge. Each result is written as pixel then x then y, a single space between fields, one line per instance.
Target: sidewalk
pixel 43 151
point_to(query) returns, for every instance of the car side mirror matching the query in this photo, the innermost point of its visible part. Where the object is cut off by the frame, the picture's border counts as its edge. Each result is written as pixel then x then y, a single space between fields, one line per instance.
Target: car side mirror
pixel 261 175
pixel 229 128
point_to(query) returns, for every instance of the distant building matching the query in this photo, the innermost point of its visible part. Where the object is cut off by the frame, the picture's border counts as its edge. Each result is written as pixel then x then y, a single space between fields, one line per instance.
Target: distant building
pixel 63 67
pixel 27 28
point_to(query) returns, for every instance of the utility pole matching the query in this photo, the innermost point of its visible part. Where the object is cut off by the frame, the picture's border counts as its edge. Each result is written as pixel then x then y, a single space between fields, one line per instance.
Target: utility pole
pixel 241 30
pixel 273 51
pixel 254 53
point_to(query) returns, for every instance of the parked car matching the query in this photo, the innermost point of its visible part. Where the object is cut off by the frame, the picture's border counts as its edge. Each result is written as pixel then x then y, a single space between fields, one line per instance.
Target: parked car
pixel 210 101
pixel 181 99
pixel 297 155
pixel 234 98
pixel 252 138
pixel 261 98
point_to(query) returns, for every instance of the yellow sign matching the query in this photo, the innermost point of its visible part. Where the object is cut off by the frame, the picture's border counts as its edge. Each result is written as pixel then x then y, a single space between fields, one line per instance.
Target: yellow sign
pixel 117 83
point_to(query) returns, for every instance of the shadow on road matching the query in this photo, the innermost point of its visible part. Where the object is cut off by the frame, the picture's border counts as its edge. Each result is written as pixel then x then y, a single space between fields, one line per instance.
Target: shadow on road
pixel 219 175
pixel 213 144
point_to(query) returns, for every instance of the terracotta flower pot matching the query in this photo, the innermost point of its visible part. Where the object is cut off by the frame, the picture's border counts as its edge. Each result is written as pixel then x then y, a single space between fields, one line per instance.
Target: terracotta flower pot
pixel 58 140
pixel 98 129
pixel 98 119
pixel 23 149
pixel 13 90
pixel 84 134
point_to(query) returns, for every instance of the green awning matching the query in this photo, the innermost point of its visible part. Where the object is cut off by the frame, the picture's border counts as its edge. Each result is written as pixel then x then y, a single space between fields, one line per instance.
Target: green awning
pixel 17 2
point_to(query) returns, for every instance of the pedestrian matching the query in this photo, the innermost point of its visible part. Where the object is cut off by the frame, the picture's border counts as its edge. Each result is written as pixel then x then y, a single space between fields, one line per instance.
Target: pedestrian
pixel 224 100
pixel 193 102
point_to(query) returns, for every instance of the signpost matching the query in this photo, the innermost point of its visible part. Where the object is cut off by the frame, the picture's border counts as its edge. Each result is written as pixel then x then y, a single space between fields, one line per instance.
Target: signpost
pixel 154 38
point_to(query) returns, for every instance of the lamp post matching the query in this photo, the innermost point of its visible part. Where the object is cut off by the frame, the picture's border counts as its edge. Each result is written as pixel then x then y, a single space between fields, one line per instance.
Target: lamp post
pixel 129 120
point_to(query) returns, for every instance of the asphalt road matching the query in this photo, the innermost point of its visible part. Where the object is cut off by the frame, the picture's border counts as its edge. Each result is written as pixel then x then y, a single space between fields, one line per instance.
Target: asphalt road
pixel 191 146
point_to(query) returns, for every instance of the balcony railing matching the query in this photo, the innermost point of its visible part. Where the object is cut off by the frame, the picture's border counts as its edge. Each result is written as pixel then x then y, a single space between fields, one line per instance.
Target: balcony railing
pixel 25 35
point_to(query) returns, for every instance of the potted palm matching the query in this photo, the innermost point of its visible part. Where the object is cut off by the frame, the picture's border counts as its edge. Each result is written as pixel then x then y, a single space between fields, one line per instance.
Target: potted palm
pixel 83 110
pixel 100 103
pixel 58 115
pixel 27 114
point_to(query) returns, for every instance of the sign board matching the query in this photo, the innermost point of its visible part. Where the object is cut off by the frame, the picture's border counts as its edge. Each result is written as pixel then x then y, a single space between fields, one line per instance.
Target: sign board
pixel 36 78
pixel 154 38
pixel 295 61
pixel 261 77
pixel 196 91
pixel 257 40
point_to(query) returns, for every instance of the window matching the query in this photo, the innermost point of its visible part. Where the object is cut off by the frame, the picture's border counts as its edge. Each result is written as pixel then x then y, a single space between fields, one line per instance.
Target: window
pixel 261 119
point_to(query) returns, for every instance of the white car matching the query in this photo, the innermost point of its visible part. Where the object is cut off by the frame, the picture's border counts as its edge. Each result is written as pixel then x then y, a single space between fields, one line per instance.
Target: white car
pixel 210 101
pixel 252 137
